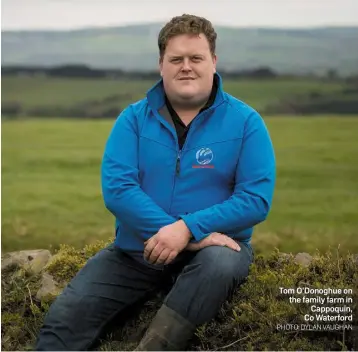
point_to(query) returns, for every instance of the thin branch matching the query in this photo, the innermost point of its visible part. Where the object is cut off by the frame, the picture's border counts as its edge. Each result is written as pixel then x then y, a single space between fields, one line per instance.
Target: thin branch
pixel 32 303
pixel 339 269
pixel 233 343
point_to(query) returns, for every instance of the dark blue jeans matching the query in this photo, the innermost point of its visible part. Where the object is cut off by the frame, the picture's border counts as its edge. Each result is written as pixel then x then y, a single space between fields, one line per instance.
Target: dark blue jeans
pixel 111 281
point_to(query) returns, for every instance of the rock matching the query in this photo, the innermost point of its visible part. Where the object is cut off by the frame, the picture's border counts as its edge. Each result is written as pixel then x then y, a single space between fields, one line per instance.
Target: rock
pixel 303 259
pixel 49 287
pixel 32 260
pixel 39 262
pixel 355 259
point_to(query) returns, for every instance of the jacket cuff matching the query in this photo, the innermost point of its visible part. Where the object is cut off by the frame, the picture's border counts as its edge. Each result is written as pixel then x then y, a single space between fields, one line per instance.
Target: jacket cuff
pixel 192 225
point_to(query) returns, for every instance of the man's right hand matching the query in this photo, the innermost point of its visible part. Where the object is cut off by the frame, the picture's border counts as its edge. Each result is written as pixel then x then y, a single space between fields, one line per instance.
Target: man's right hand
pixel 214 239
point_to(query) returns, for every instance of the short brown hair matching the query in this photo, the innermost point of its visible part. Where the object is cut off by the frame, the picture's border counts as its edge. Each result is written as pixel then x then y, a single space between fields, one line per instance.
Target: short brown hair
pixel 186 24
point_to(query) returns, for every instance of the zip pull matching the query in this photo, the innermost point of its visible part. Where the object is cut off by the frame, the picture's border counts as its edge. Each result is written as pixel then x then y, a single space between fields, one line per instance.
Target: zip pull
pixel 178 165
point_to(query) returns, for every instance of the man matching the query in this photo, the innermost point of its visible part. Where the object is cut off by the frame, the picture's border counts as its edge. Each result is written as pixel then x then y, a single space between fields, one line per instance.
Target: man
pixel 187 172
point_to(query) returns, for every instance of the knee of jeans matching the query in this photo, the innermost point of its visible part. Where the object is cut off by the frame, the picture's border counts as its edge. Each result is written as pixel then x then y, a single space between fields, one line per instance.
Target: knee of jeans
pixel 67 306
pixel 224 264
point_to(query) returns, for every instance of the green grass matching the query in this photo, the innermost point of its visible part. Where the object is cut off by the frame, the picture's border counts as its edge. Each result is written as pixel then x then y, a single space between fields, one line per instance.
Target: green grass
pixel 31 92
pixel 51 184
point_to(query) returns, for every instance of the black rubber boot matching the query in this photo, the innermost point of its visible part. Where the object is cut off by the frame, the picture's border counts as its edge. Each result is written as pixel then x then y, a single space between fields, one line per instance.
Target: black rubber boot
pixel 168 331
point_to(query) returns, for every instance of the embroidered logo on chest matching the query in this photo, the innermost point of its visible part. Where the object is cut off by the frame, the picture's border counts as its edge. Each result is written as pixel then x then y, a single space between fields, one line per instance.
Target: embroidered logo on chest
pixel 204 157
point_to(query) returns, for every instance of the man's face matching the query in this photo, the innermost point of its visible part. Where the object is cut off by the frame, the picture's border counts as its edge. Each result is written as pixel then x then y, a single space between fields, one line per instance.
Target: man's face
pixel 187 69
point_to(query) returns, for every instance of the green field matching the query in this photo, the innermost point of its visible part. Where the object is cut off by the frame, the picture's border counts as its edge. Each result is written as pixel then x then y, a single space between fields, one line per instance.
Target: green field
pixel 35 92
pixel 51 184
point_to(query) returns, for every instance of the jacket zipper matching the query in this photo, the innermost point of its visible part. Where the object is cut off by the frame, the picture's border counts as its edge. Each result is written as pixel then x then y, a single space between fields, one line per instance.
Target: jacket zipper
pixel 178 164
pixel 177 167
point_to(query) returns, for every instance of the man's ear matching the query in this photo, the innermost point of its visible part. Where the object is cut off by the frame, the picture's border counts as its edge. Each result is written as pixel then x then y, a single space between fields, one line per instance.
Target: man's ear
pixel 215 60
pixel 161 66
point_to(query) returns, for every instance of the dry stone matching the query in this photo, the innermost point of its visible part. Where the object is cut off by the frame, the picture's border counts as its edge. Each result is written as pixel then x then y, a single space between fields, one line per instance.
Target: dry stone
pixel 49 287
pixel 32 260
pixel 303 259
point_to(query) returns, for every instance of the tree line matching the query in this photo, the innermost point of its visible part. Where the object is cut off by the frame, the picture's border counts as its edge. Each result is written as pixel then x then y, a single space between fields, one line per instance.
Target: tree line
pixel 84 71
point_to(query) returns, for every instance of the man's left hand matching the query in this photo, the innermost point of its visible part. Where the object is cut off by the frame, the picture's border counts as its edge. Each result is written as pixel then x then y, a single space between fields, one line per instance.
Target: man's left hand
pixel 167 243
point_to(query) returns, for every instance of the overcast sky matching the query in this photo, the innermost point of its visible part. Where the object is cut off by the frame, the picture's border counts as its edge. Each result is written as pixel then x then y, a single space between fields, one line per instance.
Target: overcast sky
pixel 67 14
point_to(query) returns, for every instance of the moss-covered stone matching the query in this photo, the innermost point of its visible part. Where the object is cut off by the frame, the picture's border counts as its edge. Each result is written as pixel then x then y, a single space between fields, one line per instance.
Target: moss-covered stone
pixel 66 263
pixel 253 319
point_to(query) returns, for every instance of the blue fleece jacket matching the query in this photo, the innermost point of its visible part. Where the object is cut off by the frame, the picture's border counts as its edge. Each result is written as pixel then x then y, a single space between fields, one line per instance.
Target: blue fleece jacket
pixel 221 181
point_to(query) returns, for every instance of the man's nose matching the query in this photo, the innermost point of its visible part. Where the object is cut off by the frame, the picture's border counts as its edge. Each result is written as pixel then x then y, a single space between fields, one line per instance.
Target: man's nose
pixel 186 65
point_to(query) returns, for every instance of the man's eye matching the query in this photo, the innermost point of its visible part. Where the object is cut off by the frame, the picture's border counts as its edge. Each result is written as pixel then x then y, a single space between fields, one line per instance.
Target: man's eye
pixel 176 60
pixel 196 59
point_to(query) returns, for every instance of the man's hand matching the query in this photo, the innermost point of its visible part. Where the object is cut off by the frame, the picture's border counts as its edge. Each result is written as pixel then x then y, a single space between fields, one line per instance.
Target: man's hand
pixel 214 239
pixel 167 243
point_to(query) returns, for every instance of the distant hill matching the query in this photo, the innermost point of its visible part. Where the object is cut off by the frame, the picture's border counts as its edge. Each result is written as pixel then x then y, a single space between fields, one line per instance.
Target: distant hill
pixel 135 48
